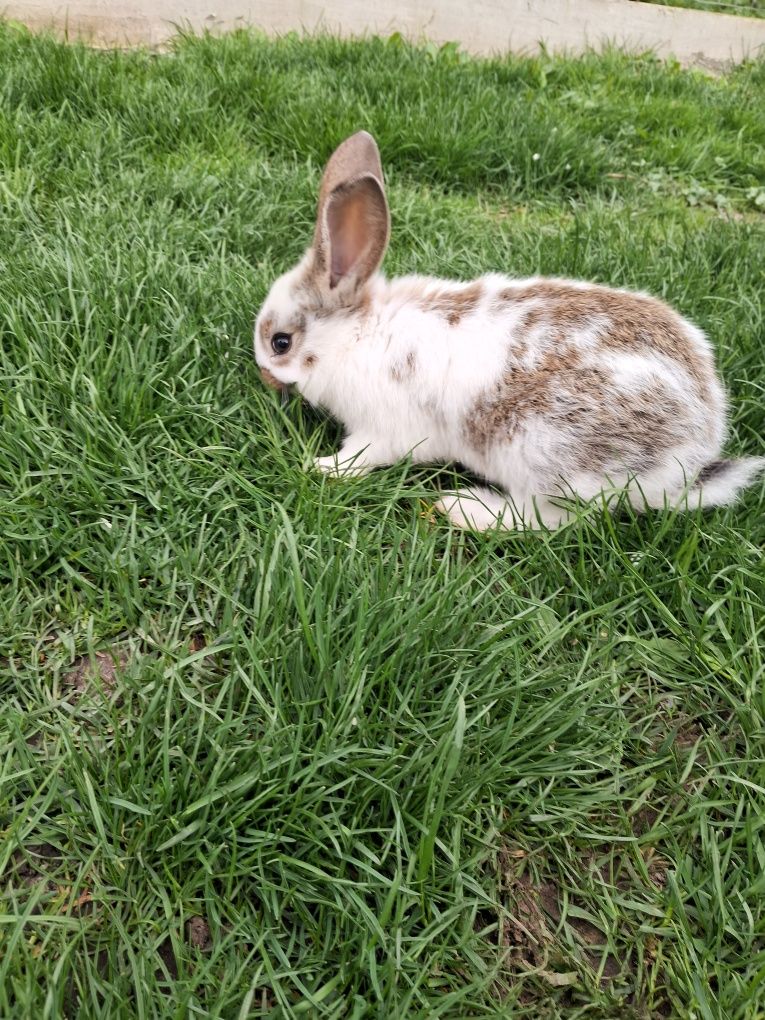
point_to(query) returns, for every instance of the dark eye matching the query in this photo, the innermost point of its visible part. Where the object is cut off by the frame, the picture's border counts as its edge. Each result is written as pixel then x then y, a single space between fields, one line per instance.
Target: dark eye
pixel 281 342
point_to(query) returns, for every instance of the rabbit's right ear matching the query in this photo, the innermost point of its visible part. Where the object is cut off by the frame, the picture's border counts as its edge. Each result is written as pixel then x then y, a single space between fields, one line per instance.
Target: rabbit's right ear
pixel 353 222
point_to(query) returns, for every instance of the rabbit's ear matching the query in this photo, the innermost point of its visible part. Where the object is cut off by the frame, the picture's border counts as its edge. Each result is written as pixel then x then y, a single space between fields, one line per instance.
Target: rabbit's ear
pixel 353 223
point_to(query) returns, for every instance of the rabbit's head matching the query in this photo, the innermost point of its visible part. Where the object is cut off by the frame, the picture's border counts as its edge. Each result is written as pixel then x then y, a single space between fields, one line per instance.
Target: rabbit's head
pixel 332 278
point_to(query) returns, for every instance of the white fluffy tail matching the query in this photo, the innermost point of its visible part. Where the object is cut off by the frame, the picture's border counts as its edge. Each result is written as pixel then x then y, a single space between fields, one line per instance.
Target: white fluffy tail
pixel 720 481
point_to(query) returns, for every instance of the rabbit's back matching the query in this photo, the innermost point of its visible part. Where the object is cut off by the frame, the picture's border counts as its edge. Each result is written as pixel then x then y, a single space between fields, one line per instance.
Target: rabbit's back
pixel 575 376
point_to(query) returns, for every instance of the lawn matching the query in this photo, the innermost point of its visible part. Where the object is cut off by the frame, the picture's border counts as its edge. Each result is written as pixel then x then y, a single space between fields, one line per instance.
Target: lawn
pixel 745 8
pixel 280 745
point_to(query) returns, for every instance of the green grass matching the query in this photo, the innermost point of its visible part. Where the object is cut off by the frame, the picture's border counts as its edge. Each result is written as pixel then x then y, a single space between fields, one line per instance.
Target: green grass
pixel 397 770
pixel 742 8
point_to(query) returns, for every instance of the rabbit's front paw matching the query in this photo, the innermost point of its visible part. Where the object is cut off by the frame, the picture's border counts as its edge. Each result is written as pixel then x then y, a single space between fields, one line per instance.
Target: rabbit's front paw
pixel 327 465
pixel 355 457
pixel 337 467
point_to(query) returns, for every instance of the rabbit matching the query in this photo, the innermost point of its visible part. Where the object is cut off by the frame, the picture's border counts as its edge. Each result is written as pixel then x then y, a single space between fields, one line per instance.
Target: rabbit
pixel 543 387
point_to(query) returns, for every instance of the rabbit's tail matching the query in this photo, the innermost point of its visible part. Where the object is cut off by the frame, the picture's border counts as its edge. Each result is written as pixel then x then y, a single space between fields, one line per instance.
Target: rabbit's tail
pixel 721 481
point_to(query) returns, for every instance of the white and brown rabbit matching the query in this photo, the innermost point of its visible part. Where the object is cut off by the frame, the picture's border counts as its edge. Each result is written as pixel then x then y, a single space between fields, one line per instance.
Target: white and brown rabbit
pixel 544 387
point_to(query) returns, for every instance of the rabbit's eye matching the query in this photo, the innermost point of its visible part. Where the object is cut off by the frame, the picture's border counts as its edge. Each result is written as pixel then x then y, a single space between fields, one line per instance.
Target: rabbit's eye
pixel 281 342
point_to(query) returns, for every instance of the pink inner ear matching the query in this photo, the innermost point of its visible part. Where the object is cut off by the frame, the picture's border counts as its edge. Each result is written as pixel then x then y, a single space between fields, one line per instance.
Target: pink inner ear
pixel 358 226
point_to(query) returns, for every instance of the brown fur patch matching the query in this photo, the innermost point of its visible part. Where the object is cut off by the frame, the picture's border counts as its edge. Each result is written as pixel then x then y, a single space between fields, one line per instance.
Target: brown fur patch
pixel 711 469
pixel 309 361
pixel 401 371
pixel 453 305
pixel 625 321
pixel 266 329
pixel 309 287
pixel 600 427
pixel 521 394
pixel 621 430
pixel 312 294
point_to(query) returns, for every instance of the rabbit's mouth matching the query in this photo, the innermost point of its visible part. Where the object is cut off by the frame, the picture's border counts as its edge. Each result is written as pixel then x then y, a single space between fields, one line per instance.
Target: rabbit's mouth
pixel 270 380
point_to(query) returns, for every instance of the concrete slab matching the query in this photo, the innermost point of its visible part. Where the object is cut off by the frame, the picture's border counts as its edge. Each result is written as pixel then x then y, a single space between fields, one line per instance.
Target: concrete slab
pixel 482 26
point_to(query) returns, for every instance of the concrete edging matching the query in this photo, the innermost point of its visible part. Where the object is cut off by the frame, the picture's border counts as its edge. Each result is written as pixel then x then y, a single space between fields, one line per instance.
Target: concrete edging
pixel 482 27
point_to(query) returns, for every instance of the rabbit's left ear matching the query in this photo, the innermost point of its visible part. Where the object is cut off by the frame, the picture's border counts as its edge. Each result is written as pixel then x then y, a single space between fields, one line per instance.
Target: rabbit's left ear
pixel 353 222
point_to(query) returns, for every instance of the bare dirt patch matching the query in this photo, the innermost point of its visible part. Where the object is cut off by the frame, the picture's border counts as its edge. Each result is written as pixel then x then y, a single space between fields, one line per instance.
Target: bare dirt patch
pixel 534 912
pixel 99 673
pixel 32 868
pixel 198 934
